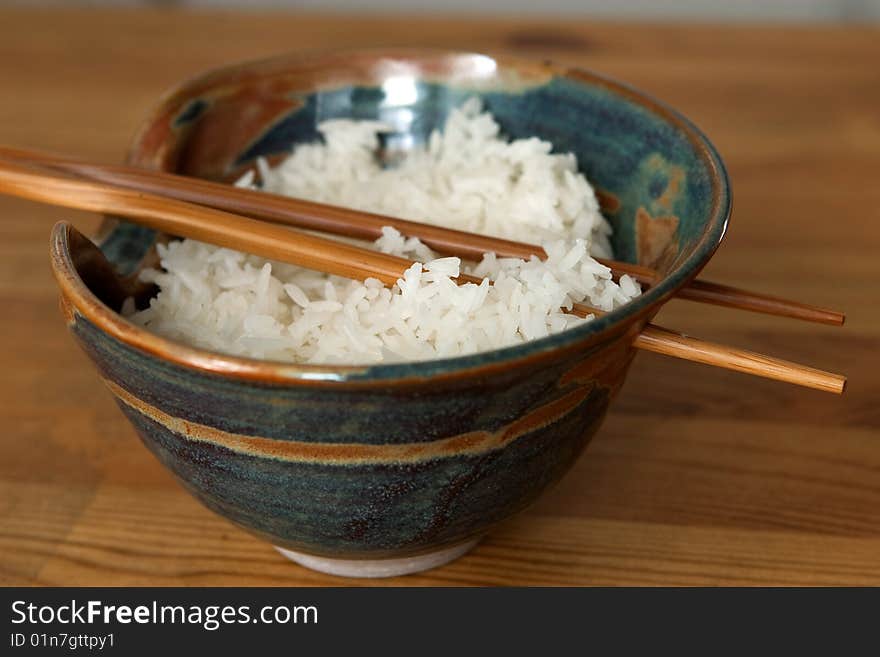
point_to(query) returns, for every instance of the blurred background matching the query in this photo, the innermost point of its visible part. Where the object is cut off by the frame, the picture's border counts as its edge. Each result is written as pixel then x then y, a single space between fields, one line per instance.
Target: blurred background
pixel 697 10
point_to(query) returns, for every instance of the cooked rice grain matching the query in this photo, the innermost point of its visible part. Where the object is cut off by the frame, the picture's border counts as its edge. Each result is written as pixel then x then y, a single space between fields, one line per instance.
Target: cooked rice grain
pixel 468 177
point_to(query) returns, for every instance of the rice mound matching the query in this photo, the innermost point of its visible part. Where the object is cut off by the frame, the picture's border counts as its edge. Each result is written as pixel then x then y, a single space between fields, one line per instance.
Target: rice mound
pixel 467 177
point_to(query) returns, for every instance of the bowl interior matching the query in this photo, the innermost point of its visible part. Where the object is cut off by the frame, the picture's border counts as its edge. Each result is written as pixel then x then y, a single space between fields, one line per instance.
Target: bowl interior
pixel 660 182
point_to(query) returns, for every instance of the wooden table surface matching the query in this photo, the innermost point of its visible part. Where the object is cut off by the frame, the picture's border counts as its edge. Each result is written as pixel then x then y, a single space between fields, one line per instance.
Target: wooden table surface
pixel 699 476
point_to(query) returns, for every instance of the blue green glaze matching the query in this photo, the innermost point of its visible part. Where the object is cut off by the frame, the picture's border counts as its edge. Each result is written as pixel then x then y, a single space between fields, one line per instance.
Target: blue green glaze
pixel 645 158
pixel 378 415
pixel 358 510
pixel 375 509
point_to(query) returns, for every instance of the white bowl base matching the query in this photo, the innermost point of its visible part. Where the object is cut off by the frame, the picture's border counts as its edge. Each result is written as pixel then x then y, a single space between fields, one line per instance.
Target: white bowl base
pixel 379 567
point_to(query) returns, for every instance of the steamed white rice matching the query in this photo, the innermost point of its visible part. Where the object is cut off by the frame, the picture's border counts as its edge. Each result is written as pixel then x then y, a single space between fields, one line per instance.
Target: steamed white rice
pixel 467 177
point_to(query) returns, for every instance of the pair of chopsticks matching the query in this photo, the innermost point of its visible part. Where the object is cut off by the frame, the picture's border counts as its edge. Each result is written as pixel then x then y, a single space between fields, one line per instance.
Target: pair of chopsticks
pixel 260 223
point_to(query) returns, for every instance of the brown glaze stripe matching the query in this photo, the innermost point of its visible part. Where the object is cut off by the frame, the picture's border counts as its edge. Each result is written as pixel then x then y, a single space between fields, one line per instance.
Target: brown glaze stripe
pixel 473 443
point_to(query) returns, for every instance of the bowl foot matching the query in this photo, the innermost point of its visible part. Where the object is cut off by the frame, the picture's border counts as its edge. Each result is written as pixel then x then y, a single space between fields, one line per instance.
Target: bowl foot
pixel 379 567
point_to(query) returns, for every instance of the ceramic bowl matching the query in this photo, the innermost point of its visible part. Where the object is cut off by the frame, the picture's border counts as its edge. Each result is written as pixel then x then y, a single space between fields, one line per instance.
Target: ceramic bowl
pixel 387 469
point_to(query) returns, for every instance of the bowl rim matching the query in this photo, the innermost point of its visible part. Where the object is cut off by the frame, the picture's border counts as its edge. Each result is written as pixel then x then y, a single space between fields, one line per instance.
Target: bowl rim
pixel 628 318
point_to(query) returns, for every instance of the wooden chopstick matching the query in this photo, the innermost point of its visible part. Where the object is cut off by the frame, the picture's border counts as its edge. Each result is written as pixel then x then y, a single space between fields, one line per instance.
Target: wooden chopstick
pixel 366 225
pixel 671 343
pixel 276 242
pixel 203 224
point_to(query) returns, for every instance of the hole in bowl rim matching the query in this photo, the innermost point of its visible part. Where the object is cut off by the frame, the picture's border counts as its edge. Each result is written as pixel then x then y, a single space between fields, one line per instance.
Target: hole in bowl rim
pixel 627 319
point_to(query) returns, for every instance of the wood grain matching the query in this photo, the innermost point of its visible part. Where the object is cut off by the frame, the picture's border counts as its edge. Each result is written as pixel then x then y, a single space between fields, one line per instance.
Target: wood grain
pixel 698 477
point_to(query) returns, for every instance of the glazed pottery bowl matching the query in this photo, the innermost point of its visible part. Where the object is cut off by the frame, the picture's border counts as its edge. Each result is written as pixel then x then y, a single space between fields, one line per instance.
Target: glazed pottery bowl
pixel 385 469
